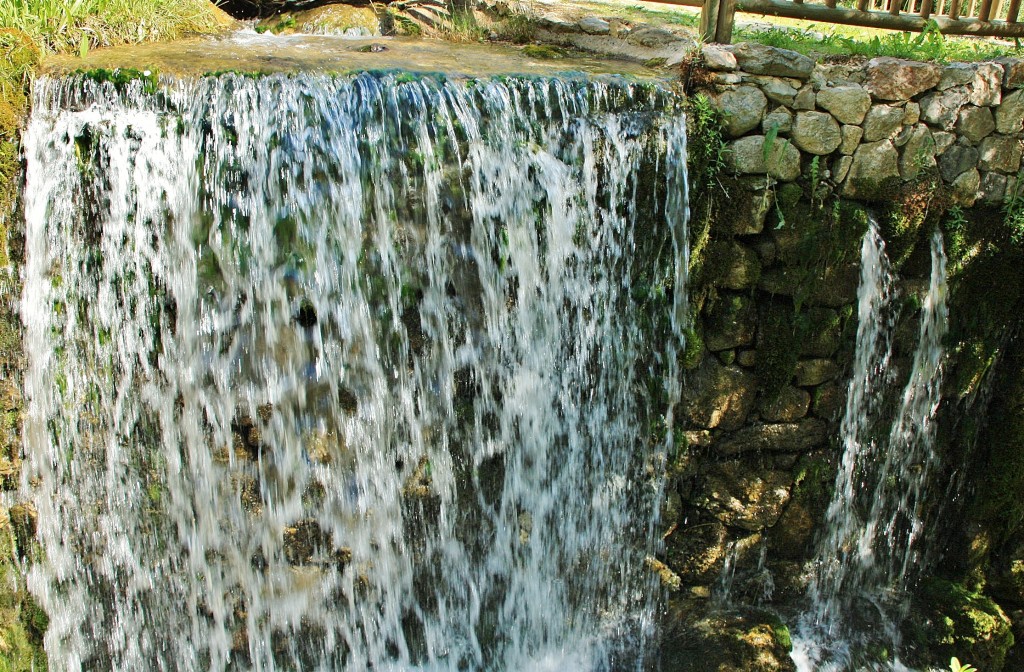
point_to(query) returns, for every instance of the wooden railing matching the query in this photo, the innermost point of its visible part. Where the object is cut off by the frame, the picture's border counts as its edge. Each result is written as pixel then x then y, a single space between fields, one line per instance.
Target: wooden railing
pixel 951 17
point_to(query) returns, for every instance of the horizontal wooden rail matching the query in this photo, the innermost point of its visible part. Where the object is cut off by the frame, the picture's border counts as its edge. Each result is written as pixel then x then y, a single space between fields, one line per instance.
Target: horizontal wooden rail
pixel 953 24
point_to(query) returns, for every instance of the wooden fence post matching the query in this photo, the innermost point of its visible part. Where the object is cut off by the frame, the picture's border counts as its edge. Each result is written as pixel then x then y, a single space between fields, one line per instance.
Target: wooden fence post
pixel 726 19
pixel 709 20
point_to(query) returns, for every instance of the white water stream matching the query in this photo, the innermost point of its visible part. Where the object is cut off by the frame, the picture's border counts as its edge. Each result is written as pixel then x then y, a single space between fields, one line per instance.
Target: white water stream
pixel 350 372
pixel 868 555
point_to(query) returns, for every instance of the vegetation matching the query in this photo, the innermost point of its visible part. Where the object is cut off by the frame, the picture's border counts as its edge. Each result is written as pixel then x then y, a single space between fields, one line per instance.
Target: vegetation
pixel 75 26
pixel 930 45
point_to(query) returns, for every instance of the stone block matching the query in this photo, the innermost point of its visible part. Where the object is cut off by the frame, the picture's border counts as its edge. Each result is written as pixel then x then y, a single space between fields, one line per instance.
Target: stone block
pixel 780 119
pixel 760 59
pixel 718 58
pixel 718 396
pixel 1000 153
pixel 743 109
pixel 873 162
pixel 897 79
pixel 942 108
pixel 848 104
pixel 811 372
pixel 1010 114
pixel 882 122
pixel 956 160
pixel 816 133
pixel 852 136
pixel 751 155
pixel 730 323
pixel 975 123
pixel 918 152
pixel 789 405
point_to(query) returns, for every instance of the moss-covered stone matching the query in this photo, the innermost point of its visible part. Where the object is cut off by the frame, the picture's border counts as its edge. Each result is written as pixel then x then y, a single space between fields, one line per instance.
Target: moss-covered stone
pixel 951 620
pixel 749 641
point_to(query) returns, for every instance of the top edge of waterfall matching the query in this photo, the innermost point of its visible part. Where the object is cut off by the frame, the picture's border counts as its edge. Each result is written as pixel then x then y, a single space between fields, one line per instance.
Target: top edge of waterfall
pixel 246 51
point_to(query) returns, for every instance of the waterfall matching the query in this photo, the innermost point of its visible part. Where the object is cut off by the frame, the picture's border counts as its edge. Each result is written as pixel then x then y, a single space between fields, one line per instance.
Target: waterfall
pixel 351 372
pixel 866 558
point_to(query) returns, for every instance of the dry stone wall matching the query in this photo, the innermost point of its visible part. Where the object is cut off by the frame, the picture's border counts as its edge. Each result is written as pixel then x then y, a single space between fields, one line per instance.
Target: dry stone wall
pixel 806 146
pixel 872 125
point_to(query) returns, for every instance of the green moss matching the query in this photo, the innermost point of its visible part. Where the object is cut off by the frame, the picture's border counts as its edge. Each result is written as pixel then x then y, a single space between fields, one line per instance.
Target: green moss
pixel 544 51
pixel 781 335
pixel 121 78
pixel 954 620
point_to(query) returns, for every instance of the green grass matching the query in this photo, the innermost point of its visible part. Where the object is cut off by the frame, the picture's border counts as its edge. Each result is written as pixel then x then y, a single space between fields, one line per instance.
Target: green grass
pixel 74 26
pixel 819 39
pixel 927 46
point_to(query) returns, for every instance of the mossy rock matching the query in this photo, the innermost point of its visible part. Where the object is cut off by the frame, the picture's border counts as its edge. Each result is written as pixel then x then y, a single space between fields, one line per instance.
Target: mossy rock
pixel 329 20
pixel 949 619
pixel 749 641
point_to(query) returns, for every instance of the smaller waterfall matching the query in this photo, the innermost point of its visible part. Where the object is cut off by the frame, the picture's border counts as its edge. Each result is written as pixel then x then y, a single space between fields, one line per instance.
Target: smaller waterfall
pixel 867 556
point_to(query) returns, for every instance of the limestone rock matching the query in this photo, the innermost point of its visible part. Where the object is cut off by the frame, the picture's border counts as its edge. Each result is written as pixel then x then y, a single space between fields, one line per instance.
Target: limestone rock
pixel 718 58
pixel 911 114
pixel 780 119
pixel 742 269
pixel 1000 153
pixel 328 20
pixel 851 139
pixel 942 108
pixel 730 323
pixel 984 81
pixel 1010 114
pixel 805 98
pixel 827 401
pixel 964 188
pixel 746 496
pixel 872 162
pixel 760 59
pixel 993 188
pixel 747 157
pixel 842 168
pixel 743 109
pixel 1013 72
pixel 943 141
pixel 593 25
pixel 696 552
pixel 653 37
pixel 752 206
pixel 824 335
pixel 719 396
pixel 810 372
pixel 881 122
pixel 816 132
pixel 956 160
pixel 848 104
pixel 776 89
pixel 975 123
pixel 918 152
pixel 725 641
pixel 896 79
pixel 785 437
pixel 789 405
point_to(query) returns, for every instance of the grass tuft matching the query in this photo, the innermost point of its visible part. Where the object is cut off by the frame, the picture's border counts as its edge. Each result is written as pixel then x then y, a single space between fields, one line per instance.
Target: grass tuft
pixel 75 26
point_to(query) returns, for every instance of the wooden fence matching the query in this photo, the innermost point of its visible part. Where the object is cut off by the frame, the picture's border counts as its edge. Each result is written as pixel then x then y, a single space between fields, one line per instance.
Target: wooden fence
pixel 952 17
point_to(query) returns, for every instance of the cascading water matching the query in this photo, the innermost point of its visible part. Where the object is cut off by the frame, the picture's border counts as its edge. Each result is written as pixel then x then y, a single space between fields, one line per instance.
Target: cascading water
pixel 867 556
pixel 350 372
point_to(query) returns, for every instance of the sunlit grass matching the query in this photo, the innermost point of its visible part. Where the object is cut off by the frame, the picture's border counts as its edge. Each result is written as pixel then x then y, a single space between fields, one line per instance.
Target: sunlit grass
pixel 78 25
pixel 818 39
